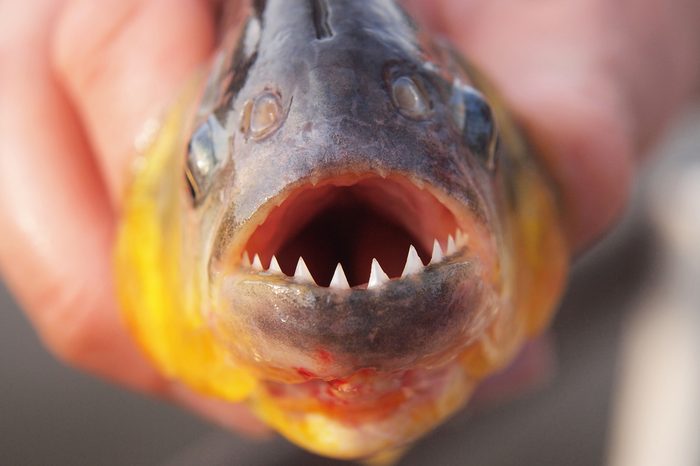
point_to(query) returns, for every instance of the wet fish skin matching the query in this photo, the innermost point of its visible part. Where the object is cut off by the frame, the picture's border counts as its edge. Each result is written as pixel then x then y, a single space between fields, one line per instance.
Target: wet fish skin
pixel 304 93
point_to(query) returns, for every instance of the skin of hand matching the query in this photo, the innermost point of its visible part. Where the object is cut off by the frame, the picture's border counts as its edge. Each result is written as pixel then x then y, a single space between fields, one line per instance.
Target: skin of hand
pixel 592 81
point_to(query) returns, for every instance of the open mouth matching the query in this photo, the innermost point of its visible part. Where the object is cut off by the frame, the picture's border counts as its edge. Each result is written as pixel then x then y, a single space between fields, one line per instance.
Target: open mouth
pixel 354 233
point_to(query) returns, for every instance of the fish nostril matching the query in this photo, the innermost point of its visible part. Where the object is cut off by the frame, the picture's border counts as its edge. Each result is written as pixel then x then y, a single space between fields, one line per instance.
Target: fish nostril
pixel 410 98
pixel 320 17
pixel 262 116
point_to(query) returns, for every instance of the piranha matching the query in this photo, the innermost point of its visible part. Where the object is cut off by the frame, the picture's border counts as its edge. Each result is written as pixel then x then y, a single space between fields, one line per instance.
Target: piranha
pixel 340 226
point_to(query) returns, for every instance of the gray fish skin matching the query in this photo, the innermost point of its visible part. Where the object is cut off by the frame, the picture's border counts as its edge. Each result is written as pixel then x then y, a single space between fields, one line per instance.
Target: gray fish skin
pixel 332 72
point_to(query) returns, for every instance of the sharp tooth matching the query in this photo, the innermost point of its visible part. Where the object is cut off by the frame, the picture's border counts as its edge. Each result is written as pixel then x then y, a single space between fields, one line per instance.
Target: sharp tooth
pixel 376 275
pixel 275 266
pixel 413 263
pixel 451 246
pixel 437 253
pixel 257 265
pixel 339 280
pixel 245 261
pixel 302 273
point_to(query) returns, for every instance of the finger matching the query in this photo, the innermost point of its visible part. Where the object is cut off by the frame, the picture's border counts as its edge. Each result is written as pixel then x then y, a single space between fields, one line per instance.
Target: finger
pixel 123 62
pixel 559 84
pixel 138 55
pixel 55 252
pixel 57 223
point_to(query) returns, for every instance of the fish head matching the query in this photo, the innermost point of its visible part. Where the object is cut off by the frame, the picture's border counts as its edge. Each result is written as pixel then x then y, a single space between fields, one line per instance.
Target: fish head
pixel 346 189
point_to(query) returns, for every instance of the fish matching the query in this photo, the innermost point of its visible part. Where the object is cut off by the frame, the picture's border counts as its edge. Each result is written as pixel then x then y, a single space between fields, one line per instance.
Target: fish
pixel 341 225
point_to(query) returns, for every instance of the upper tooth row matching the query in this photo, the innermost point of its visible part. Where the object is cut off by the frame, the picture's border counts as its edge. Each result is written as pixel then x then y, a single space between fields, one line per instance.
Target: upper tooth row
pixel 377 275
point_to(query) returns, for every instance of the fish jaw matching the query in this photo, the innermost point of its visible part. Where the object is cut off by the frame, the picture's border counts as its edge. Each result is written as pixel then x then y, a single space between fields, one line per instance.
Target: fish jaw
pixel 284 330
pixel 389 310
pixel 358 364
pixel 352 376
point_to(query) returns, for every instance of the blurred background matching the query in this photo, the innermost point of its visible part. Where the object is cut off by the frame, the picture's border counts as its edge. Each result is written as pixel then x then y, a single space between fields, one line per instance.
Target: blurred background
pixel 625 391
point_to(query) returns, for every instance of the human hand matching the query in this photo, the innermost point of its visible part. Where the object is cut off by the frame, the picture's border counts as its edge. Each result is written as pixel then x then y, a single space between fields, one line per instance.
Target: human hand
pixel 80 79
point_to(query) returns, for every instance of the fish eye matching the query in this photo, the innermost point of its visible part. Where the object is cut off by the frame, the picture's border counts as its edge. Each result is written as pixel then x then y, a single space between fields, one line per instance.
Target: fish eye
pixel 262 116
pixel 411 98
pixel 474 118
pixel 203 160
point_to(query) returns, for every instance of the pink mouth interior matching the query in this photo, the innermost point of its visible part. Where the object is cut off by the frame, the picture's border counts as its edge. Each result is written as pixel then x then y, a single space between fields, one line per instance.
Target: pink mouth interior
pixel 351 221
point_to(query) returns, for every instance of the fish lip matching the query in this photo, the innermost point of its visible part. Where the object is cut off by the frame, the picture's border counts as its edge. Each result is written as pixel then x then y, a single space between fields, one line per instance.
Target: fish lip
pixel 273 327
pixel 425 320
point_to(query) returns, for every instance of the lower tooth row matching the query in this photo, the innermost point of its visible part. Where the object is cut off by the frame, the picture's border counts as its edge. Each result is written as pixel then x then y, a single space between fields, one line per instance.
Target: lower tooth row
pixel 377 276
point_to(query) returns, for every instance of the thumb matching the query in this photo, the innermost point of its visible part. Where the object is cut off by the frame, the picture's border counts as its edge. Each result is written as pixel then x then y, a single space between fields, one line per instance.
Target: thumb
pixel 122 61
